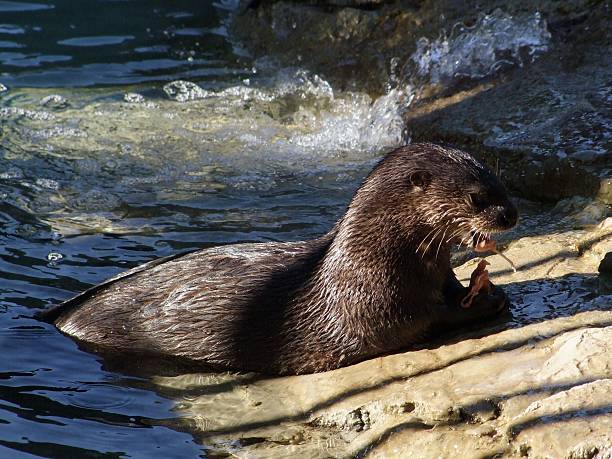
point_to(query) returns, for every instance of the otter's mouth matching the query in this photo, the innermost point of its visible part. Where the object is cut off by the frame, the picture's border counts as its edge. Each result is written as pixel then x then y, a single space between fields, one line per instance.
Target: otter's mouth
pixel 482 242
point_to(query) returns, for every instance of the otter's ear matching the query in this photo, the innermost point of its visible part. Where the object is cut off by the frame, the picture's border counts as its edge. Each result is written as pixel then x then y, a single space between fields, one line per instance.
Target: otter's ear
pixel 420 179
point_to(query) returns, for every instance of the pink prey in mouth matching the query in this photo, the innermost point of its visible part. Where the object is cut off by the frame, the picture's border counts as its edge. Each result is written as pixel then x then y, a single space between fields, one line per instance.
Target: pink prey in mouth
pixel 482 242
pixel 479 280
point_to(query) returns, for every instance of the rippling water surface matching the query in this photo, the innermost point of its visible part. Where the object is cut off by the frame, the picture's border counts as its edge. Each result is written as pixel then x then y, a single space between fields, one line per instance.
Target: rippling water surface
pixel 92 42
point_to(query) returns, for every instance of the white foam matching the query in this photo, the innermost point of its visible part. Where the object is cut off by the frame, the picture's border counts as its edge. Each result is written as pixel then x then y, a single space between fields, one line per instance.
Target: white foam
pixel 494 40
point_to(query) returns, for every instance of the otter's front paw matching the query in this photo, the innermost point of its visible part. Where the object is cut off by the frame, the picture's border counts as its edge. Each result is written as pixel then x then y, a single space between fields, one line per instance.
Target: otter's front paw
pixel 487 305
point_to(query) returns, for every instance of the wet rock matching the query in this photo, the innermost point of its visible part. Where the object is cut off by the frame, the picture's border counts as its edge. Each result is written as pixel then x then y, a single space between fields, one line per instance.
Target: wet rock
pixel 357 46
pixel 323 40
pixel 534 145
pixel 551 180
pixel 545 125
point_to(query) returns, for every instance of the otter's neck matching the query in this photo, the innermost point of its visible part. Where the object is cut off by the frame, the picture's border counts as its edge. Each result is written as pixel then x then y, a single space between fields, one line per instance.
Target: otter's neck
pixel 371 284
pixel 374 258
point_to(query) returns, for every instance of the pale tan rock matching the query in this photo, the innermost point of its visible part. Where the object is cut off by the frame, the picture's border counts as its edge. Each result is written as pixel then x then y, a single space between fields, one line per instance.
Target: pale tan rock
pixel 541 389
pixel 573 423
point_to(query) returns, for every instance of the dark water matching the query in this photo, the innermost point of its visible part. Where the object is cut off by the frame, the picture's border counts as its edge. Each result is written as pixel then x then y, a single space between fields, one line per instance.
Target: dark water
pixel 55 400
pixel 93 42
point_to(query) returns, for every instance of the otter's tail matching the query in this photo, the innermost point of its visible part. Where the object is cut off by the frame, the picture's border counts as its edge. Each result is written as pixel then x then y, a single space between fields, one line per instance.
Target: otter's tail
pixel 55 312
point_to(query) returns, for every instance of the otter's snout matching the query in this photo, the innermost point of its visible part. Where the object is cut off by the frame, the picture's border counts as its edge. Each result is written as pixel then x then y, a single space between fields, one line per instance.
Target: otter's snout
pixel 507 216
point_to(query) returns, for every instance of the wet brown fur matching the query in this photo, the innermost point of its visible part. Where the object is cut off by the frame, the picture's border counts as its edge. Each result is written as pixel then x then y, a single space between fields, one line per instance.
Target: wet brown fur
pixel 379 281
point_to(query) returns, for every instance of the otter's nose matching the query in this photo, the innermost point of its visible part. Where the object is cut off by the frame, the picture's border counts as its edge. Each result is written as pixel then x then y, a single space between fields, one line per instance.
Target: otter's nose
pixel 507 216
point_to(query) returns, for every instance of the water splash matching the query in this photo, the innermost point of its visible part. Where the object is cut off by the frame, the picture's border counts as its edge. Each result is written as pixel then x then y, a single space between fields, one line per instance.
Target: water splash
pixel 358 124
pixel 133 98
pixel 495 40
pixel 320 122
pixel 183 91
pixel 273 127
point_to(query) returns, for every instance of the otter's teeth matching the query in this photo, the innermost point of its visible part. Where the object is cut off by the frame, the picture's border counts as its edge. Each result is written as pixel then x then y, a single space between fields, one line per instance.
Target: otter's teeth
pixel 483 243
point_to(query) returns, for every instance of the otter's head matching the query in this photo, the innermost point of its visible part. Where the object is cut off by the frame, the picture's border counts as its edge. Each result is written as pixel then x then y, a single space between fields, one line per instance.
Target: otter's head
pixel 446 193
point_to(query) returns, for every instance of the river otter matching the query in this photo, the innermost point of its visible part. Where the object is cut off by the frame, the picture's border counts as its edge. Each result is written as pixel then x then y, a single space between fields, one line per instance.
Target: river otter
pixel 379 281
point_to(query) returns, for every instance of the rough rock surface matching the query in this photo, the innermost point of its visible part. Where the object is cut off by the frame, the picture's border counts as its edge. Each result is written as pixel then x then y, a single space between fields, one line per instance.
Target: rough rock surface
pixel 536 385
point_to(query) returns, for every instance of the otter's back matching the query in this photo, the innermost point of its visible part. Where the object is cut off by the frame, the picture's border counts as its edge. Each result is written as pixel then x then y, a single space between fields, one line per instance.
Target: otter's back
pixel 204 305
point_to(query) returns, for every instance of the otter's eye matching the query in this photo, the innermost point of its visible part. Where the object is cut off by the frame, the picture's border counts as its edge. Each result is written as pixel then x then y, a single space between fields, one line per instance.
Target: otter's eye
pixel 479 200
